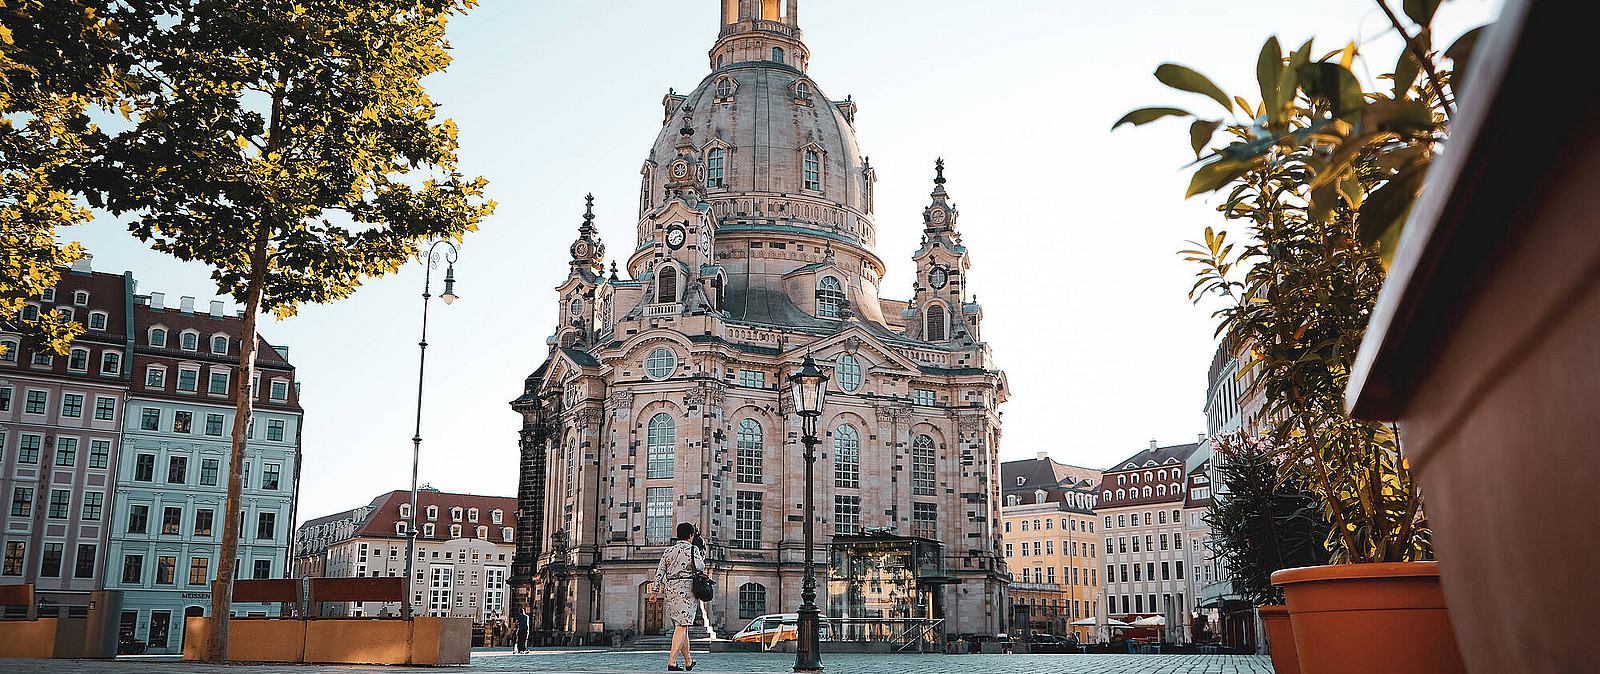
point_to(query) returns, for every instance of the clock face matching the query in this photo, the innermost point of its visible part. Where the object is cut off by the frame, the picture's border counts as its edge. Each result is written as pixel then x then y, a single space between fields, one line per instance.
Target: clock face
pixel 675 236
pixel 937 278
pixel 705 239
pixel 580 249
pixel 680 169
pixel 937 216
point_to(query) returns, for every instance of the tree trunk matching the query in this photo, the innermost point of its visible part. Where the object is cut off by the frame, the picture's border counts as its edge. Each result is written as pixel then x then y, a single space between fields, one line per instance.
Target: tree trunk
pixel 222 588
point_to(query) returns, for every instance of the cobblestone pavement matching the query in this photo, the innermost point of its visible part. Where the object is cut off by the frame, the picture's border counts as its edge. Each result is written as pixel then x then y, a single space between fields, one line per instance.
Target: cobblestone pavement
pixel 498 661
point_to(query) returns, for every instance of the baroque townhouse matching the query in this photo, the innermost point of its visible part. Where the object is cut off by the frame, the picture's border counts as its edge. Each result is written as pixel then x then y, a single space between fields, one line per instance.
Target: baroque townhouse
pixel 463 553
pixel 172 476
pixel 1142 528
pixel 663 396
pixel 59 440
pixel 1051 546
pixel 1231 407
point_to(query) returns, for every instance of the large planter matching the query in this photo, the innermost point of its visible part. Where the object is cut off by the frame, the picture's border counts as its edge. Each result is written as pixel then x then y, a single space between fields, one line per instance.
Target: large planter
pixel 1280 639
pixel 1385 618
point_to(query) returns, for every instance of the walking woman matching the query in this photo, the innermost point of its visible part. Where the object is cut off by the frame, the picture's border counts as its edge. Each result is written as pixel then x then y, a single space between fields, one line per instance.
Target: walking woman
pixel 675 582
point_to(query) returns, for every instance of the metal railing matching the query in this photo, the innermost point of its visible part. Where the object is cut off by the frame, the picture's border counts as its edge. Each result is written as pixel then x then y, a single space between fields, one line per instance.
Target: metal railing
pixel 901 634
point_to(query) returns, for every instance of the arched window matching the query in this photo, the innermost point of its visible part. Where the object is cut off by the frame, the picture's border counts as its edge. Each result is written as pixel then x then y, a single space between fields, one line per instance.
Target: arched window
pixel 80 297
pixel 661 363
pixel 1147 491
pixel 802 90
pixel 158 337
pixel 660 440
pixel 777 54
pixel 455 531
pixel 750 454
pixel 1120 495
pixel 724 85
pixel 812 170
pixel 1161 474
pixel 1134 478
pixel 849 373
pixel 1010 501
pixel 1161 517
pixel 219 344
pixel 1177 488
pixel 714 171
pixel 935 323
pixel 752 600
pixel 1024 525
pixel 191 341
pixel 1148 477
pixel 922 466
pixel 1107 496
pixel 97 320
pixel 667 285
pixel 1122 479
pixel 830 297
pixel 846 457
pixel 1161 490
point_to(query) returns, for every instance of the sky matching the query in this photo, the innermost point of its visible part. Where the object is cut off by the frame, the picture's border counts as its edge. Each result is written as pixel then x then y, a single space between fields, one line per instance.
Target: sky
pixel 1073 229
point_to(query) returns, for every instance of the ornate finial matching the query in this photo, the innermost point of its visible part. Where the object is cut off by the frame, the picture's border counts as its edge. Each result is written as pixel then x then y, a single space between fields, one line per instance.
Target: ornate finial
pixel 938 166
pixel 613 270
pixel 827 250
pixel 587 228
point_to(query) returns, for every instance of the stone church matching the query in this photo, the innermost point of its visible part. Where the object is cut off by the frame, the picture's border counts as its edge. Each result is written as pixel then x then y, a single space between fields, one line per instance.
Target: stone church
pixel 664 397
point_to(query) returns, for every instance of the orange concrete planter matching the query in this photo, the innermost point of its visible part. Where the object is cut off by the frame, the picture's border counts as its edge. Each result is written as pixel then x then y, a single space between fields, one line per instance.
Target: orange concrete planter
pixel 1385 618
pixel 1280 639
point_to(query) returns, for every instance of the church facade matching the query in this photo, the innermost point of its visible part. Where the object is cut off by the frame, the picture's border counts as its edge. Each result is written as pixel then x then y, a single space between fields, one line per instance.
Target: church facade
pixel 664 397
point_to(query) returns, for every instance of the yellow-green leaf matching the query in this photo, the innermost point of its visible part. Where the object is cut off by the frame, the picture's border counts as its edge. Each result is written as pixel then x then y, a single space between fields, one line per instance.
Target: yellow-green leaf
pixel 1200 133
pixel 1147 115
pixel 1185 79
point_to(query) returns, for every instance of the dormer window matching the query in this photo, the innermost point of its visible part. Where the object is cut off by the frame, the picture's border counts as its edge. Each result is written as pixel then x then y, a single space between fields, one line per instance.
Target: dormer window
pixel 777 54
pixel 433 512
pixel 1021 480
pixel 812 170
pixel 80 297
pixel 427 530
pixel 472 515
pixel 483 532
pixel 1039 496
pixel 802 91
pixel 455 531
pixel 724 87
pixel 219 344
pixel 405 510
pixel 97 320
pixel 190 341
pixel 494 516
pixel 830 298
pixel 714 167
pixel 158 337
pixel 399 528
pixel 1011 500
pixel 455 514
pixel 505 534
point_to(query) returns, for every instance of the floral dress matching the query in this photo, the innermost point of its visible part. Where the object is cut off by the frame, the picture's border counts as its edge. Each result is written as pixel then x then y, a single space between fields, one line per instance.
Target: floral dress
pixel 675 581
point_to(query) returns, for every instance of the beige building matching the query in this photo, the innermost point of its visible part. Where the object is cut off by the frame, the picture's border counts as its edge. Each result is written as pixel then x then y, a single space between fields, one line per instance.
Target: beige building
pixel 663 399
pixel 1142 527
pixel 1050 545
pixel 463 552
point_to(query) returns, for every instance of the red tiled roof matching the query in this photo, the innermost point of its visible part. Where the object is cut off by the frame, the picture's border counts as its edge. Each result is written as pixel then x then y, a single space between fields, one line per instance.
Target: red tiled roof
pixel 381 523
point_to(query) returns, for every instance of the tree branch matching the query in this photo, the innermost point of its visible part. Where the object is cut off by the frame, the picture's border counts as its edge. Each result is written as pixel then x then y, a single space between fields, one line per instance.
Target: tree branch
pixel 1421 56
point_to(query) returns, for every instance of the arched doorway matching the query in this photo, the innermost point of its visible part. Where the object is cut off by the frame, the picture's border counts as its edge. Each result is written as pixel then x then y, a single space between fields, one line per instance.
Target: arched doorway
pixel 190 612
pixel 650 611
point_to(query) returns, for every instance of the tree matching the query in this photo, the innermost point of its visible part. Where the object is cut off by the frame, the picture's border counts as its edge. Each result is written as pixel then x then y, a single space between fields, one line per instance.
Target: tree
pixel 293 149
pixel 1323 174
pixel 1259 522
pixel 57 59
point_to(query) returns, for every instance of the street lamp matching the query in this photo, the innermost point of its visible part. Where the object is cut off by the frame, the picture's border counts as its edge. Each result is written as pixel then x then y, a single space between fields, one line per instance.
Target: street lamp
pixel 809 387
pixel 449 296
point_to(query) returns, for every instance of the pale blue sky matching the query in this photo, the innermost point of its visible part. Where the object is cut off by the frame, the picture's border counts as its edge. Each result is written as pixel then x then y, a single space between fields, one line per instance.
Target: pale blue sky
pixel 1073 230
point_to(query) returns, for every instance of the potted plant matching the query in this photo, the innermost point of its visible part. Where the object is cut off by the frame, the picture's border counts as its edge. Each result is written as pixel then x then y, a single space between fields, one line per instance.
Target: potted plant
pixel 1261 524
pixel 1322 174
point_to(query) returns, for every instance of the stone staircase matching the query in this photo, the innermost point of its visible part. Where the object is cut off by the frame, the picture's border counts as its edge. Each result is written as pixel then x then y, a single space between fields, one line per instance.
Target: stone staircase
pixel 698 635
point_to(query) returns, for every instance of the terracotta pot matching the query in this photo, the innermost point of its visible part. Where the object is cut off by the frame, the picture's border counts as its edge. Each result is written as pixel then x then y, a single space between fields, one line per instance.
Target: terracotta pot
pixel 1372 618
pixel 1280 639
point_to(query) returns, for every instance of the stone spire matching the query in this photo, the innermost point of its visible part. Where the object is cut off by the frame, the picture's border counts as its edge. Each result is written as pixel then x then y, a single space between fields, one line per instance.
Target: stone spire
pixel 940 215
pixel 588 253
pixel 685 175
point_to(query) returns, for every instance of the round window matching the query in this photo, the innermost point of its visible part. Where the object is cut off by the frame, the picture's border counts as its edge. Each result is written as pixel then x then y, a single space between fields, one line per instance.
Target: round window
pixel 849 374
pixel 660 363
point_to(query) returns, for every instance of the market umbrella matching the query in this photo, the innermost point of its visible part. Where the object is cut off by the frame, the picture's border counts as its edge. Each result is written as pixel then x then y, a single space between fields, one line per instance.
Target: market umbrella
pixel 1152 621
pixel 1109 622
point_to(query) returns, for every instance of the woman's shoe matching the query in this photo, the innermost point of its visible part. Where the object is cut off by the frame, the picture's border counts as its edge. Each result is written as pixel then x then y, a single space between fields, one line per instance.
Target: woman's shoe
pixel 674 668
pixel 689 667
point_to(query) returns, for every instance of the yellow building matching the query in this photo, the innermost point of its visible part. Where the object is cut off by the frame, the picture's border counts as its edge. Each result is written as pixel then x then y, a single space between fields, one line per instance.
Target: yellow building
pixel 1049 544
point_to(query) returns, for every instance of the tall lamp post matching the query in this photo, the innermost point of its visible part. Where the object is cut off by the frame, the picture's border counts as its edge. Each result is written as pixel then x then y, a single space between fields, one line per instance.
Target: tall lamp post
pixel 428 262
pixel 809 387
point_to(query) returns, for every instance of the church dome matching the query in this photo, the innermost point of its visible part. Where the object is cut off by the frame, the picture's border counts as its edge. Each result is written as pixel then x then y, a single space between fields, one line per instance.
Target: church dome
pixel 776 155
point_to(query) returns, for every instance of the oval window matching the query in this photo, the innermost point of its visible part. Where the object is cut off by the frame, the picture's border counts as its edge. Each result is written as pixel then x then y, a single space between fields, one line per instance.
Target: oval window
pixel 849 374
pixel 660 363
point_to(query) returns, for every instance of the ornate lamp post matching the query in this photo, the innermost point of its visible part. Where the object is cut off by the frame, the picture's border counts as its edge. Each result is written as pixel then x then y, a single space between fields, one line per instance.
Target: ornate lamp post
pixel 809 387
pixel 449 296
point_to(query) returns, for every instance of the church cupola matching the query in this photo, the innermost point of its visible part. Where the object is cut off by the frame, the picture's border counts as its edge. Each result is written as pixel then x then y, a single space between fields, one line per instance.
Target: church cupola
pixel 588 253
pixel 940 311
pixel 686 173
pixel 760 30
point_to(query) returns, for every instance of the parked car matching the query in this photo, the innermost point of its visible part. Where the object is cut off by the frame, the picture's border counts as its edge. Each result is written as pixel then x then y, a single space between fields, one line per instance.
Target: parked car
pixel 776 627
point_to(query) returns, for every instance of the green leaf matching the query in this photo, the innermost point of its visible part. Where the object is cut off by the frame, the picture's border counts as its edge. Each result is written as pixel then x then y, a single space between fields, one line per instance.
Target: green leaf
pixel 1460 55
pixel 1269 66
pixel 1147 115
pixel 1403 116
pixel 1388 206
pixel 1350 189
pixel 1288 78
pixel 1405 73
pixel 1200 133
pixel 1185 79
pixel 1337 85
pixel 1216 174
pixel 1421 11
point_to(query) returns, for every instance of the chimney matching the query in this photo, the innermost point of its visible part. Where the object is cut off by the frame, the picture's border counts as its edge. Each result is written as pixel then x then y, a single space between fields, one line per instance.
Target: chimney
pixel 216 309
pixel 1152 443
pixel 84 263
pixel 1202 437
pixel 158 301
pixel 1044 456
pixel 283 351
pixel 186 305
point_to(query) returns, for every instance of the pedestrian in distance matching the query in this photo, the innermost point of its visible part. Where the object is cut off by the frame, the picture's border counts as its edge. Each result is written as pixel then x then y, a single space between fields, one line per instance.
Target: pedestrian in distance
pixel 674 582
pixel 520 639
